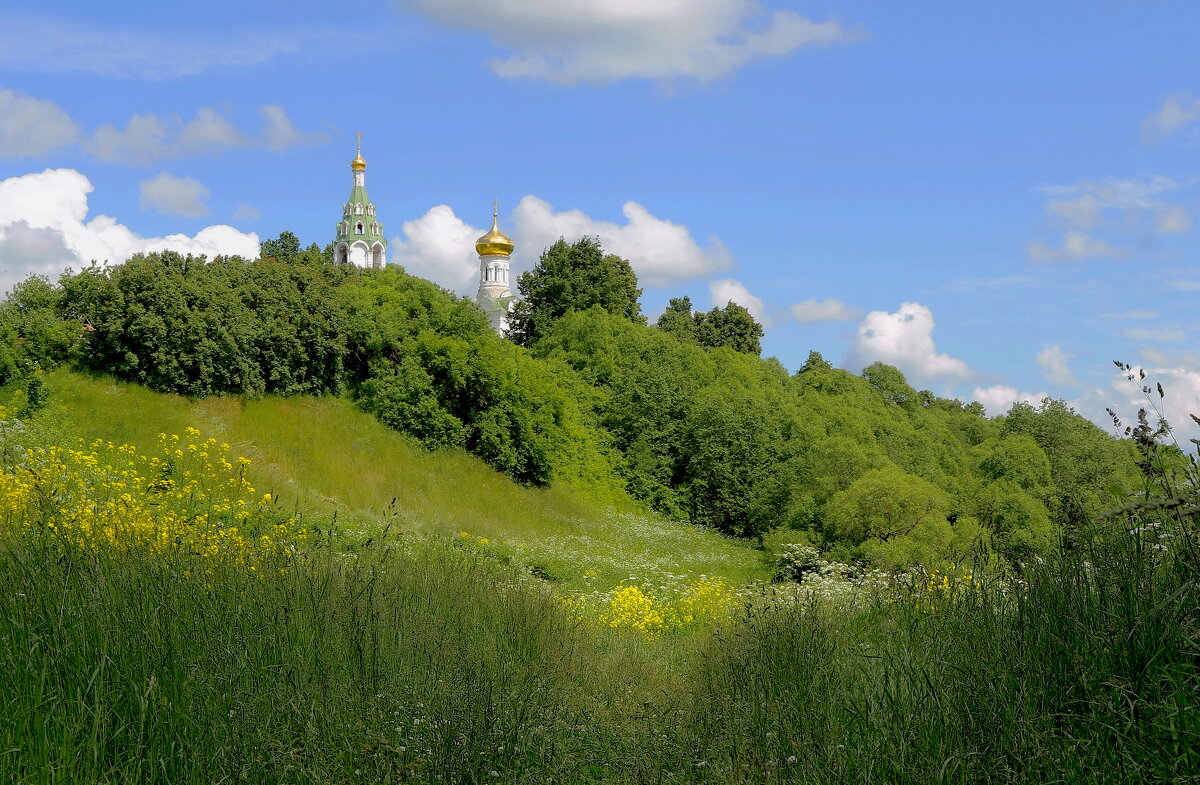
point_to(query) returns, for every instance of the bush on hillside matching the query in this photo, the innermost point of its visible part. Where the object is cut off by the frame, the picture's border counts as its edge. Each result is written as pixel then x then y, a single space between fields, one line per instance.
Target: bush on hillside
pixel 428 364
pixel 187 325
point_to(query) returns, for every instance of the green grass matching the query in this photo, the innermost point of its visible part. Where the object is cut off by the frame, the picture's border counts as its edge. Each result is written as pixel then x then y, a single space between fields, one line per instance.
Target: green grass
pixel 323 455
pixel 427 659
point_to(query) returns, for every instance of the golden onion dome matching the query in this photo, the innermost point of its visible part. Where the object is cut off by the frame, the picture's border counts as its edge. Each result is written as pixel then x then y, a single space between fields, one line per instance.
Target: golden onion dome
pixel 495 242
pixel 359 164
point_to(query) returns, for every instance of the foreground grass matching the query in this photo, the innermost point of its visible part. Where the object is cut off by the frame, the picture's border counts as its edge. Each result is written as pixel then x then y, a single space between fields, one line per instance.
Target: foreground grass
pixel 419 661
pixel 323 455
pixel 407 657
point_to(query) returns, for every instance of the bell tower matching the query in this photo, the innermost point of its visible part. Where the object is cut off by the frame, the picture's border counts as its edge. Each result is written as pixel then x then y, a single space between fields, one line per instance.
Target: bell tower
pixel 494 297
pixel 360 239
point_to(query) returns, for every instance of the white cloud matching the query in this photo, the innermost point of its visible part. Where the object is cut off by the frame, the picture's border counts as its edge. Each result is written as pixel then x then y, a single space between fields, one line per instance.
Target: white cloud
pixel 31 127
pixel 1154 356
pixel 1053 362
pixel 606 40
pixel 1161 335
pixel 47 213
pixel 1186 360
pixel 1178 111
pixel 143 141
pixel 1172 219
pixel 815 311
pixel 281 134
pixel 999 398
pixel 661 252
pixel 50 45
pixel 247 212
pixel 1137 313
pixel 1184 285
pixel 728 290
pixel 1120 205
pixel 209 132
pixel 25 251
pixel 148 138
pixel 905 339
pixel 440 246
pixel 1075 246
pixel 173 195
pixel 1082 203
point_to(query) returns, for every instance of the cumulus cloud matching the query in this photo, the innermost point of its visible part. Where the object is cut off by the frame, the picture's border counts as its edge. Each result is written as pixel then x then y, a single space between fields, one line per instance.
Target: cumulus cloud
pixel 607 40
pixel 1178 111
pixel 829 310
pixel 173 195
pixel 999 398
pixel 439 246
pixel 31 127
pixel 148 138
pixel 1114 204
pixel 905 339
pixel 728 290
pixel 26 251
pixel 44 227
pixel 1053 362
pixel 661 252
pixel 51 45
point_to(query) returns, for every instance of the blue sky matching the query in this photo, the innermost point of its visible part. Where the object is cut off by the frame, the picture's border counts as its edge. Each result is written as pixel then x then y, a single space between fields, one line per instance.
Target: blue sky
pixel 998 199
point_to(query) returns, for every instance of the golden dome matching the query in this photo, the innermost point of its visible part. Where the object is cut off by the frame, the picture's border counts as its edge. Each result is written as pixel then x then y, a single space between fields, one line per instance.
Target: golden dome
pixel 358 164
pixel 495 242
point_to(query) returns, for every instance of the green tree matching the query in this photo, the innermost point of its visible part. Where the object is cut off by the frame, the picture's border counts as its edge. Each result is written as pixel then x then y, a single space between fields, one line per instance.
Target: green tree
pixel 572 277
pixel 733 443
pixel 40 335
pixel 889 382
pixel 732 327
pixel 1018 521
pixel 187 325
pixel 1091 471
pixel 678 319
pixel 883 504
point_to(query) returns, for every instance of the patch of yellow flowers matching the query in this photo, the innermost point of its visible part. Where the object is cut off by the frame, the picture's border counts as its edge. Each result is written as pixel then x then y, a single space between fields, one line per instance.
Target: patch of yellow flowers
pixel 931 589
pixel 190 498
pixel 630 606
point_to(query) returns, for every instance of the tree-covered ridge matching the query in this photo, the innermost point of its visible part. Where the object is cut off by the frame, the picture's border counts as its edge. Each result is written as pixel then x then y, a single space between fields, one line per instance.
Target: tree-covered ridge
pixel 683 416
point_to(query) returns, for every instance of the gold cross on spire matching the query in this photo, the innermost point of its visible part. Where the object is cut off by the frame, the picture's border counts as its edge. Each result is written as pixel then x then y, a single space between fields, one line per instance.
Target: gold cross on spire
pixel 359 135
pixel 495 207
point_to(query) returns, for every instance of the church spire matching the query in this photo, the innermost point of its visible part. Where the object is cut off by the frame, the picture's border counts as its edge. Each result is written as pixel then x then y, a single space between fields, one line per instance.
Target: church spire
pixel 360 239
pixel 494 297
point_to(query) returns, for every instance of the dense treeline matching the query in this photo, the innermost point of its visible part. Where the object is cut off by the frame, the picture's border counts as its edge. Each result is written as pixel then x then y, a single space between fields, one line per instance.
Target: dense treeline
pixel 684 416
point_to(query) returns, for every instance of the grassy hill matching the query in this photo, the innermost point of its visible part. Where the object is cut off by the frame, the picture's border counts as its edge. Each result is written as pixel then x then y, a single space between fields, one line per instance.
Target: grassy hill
pixel 323 456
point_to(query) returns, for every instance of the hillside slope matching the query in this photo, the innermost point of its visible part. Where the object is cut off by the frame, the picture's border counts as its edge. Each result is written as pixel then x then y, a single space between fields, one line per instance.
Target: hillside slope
pixel 323 455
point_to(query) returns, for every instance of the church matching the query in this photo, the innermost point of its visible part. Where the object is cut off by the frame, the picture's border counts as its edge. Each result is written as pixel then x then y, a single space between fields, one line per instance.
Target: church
pixel 360 240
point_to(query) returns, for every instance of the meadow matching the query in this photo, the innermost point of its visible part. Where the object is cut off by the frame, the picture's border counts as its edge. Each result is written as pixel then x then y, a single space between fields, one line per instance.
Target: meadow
pixel 336 607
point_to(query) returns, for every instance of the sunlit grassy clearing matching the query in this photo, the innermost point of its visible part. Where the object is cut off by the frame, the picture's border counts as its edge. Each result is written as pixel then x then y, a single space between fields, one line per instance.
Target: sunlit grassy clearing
pixel 323 455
